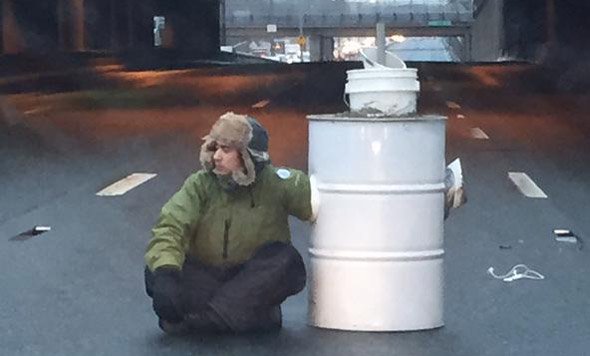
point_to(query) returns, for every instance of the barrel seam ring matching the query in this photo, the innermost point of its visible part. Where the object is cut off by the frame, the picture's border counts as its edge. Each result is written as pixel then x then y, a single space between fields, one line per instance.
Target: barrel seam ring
pixel 378 256
pixel 376 189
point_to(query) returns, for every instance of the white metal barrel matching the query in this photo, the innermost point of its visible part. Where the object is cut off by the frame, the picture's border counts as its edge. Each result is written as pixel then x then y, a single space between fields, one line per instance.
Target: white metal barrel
pixel 377 245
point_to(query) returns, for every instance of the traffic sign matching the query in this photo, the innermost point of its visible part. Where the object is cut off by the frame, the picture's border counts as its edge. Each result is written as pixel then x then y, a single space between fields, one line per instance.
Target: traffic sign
pixel 440 23
pixel 301 40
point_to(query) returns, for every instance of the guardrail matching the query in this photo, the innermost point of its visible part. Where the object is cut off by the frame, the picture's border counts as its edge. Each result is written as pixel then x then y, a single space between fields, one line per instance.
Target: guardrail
pixel 342 13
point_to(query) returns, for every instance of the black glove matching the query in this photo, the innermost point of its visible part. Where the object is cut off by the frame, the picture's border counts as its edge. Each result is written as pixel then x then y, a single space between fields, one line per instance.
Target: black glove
pixel 166 294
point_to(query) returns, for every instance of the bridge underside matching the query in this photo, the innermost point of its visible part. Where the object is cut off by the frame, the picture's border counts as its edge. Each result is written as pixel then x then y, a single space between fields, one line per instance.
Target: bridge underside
pixel 321 21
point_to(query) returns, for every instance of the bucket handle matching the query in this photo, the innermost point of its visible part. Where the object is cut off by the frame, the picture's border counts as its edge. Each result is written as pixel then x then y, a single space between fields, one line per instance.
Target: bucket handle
pixel 347 102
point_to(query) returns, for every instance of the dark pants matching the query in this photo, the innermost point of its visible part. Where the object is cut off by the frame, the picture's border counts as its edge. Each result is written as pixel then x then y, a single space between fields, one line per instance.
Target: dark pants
pixel 242 298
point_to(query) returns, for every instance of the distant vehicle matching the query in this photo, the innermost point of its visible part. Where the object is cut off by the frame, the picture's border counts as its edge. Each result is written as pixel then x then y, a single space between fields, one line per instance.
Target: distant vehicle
pixel 292 49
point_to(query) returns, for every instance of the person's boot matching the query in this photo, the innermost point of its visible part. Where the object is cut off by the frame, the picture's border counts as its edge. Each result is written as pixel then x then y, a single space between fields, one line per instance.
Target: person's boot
pixel 260 319
pixel 206 320
pixel 173 329
pixel 275 318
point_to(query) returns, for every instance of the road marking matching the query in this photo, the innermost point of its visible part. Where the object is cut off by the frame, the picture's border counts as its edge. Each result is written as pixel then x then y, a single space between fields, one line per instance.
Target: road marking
pixel 126 184
pixel 33 111
pixel 479 134
pixel 453 105
pixel 526 185
pixel 261 104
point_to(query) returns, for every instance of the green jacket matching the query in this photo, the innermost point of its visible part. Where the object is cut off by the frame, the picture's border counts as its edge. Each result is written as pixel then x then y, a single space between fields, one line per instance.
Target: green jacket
pixel 223 228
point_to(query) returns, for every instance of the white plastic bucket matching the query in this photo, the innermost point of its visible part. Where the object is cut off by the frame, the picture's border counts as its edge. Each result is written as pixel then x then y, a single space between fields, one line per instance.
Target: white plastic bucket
pixel 391 92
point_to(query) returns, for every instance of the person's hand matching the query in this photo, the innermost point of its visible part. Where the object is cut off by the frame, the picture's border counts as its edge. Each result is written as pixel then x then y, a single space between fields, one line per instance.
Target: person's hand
pixel 166 294
pixel 460 198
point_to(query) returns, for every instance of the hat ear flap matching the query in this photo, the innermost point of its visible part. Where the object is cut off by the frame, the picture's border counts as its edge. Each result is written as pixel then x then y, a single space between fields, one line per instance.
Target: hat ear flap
pixel 207 153
pixel 249 176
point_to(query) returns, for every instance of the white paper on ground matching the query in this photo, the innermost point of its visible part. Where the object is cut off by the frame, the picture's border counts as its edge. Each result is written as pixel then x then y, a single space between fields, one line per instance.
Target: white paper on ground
pixel 457 170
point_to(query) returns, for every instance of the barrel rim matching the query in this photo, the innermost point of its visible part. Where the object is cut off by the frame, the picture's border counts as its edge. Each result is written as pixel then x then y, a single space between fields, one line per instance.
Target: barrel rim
pixel 358 117
pixel 368 256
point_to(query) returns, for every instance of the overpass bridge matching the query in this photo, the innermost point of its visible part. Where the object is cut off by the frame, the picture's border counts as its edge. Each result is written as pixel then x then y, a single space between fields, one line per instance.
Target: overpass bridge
pixel 192 27
pixel 322 20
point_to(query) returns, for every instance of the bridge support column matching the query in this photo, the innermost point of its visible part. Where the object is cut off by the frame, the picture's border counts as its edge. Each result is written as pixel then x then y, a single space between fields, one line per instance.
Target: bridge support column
pixel 321 48
pixel 13 40
pixel 222 27
pixel 467 48
pixel 192 26
pixel 29 26
pixel 71 24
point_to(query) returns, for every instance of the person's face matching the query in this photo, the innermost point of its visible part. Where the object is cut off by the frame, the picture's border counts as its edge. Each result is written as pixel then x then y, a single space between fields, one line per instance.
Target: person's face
pixel 226 160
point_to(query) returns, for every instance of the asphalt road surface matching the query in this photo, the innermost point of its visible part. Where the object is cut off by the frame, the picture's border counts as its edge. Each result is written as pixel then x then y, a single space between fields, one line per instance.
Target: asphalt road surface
pixel 78 289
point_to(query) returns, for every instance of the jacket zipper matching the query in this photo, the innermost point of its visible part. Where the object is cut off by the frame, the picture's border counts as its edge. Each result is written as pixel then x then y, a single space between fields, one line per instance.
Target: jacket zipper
pixel 252 204
pixel 226 238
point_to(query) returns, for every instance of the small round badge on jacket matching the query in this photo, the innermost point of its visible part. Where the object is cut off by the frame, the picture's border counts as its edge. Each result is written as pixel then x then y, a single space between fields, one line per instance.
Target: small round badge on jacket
pixel 283 173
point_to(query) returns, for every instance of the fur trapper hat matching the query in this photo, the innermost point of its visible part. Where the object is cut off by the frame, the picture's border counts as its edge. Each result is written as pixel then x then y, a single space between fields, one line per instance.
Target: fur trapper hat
pixel 242 133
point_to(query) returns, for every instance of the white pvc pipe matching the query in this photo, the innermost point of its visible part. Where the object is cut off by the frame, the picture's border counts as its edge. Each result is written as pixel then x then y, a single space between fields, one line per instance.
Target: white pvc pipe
pixel 380 39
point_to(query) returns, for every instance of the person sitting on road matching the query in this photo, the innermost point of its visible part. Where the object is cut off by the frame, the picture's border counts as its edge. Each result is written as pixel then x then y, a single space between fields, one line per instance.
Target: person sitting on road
pixel 221 258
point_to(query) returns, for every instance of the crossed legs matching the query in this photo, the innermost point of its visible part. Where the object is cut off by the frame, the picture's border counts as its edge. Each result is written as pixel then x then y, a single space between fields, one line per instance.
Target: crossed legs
pixel 240 299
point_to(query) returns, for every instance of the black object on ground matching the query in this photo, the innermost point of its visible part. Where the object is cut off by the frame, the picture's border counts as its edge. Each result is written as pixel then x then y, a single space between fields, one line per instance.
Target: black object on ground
pixel 36 230
pixel 566 235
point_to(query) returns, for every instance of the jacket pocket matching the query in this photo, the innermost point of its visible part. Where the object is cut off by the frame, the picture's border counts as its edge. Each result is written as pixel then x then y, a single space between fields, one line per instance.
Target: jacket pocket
pixel 226 238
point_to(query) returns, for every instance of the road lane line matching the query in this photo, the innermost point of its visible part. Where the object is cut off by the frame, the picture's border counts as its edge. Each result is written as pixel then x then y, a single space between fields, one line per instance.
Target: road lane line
pixel 479 134
pixel 526 185
pixel 453 105
pixel 126 184
pixel 261 104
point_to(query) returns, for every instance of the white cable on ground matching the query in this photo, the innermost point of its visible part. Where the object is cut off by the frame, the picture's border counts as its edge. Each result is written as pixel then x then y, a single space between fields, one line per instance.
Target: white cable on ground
pixel 517 272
